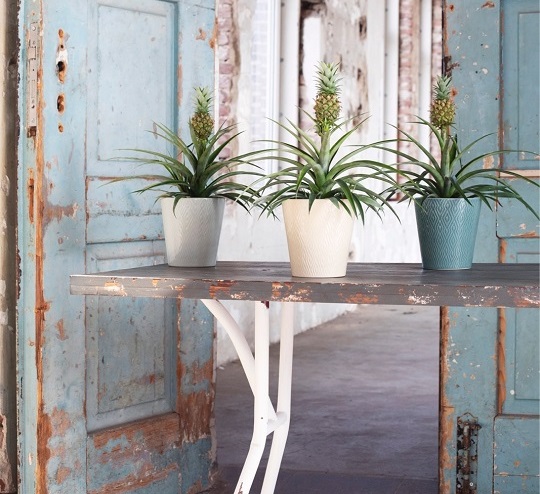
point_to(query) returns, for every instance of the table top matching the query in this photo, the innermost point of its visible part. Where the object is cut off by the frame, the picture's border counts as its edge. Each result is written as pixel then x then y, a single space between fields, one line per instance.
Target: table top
pixel 486 285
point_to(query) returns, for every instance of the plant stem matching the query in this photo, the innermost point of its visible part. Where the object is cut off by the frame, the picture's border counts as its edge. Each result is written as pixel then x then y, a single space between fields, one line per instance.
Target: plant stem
pixel 445 162
pixel 321 169
pixel 325 151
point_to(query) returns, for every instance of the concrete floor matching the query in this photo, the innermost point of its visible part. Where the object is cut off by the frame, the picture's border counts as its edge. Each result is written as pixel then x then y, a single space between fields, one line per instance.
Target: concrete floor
pixel 364 407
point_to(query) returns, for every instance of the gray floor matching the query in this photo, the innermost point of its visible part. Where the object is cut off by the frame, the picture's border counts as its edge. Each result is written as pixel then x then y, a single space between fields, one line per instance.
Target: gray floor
pixel 364 409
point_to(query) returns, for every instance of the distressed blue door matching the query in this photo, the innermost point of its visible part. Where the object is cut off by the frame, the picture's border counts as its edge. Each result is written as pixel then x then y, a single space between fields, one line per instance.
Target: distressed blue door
pixel 490 388
pixel 116 395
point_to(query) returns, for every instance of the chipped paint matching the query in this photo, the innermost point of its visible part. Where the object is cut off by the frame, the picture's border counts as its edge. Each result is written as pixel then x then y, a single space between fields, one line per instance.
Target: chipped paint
pixel 143 478
pixel 239 295
pixel 61 56
pixel 362 299
pixel 61 330
pixel 113 287
pixel 201 35
pixel 446 410
pixel 220 288
pixel 529 234
pixel 62 474
pixel 30 195
pixel 134 455
pixel 157 434
pixel 501 361
pixel 6 476
pixel 195 378
pixel 488 161
pixel 419 300
pixel 37 199
pixel 212 42
pixel 288 292
pixel 503 246
pixel 57 213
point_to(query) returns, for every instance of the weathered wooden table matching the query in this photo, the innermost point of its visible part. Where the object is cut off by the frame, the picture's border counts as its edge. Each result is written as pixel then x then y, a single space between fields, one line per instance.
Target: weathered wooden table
pixel 485 285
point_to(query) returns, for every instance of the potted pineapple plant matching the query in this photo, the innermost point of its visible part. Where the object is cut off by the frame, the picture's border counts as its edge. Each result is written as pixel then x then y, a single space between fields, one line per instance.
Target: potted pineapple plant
pixel 322 188
pixel 195 185
pixel 448 191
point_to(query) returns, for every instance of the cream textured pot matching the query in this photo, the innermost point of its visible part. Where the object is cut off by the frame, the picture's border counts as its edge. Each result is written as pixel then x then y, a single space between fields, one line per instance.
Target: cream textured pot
pixel 192 230
pixel 318 240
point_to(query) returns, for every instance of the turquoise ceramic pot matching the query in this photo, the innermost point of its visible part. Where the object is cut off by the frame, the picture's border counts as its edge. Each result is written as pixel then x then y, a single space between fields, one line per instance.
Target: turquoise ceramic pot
pixel 447 232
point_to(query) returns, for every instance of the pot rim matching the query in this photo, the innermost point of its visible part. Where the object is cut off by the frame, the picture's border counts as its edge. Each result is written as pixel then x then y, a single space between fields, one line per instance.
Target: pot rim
pixel 193 198
pixel 421 199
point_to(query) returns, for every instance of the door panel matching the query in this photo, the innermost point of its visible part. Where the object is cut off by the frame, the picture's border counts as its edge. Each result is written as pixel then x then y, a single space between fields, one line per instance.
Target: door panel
pixel 115 214
pixel 519 364
pixel 513 220
pixel 129 369
pixel 132 80
pixel 510 485
pixel 521 66
pixel 116 393
pixel 115 463
pixel 516 454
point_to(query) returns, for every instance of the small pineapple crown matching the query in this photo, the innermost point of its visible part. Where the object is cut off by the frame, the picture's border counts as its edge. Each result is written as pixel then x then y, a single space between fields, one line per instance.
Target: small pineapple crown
pixel 203 98
pixel 327 104
pixel 442 87
pixel 443 109
pixel 327 78
pixel 202 122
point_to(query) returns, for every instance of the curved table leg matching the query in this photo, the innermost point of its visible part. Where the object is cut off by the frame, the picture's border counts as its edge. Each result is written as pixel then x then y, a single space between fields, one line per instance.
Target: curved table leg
pixel 284 398
pixel 240 344
pixel 256 369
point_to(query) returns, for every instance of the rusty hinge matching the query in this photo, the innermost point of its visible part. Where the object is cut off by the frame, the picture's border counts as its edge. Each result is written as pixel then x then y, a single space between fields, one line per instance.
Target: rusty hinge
pixel 32 69
pixel 467 455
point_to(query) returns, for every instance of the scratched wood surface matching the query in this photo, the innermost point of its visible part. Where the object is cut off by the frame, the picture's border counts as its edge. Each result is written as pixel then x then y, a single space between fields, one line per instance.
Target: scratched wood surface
pixel 488 285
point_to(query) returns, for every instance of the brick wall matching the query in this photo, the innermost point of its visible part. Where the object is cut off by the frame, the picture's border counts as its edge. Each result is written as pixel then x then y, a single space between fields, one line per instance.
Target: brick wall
pixel 343 39
pixel 409 59
pixel 247 67
pixel 228 65
pixel 342 42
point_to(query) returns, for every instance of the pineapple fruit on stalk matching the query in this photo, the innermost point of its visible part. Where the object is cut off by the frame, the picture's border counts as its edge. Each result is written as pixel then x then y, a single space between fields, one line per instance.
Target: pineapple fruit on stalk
pixel 327 104
pixel 443 109
pixel 202 123
pixel 327 108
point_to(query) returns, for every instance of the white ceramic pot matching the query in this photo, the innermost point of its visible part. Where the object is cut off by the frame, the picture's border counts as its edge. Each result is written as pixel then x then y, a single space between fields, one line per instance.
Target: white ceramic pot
pixel 318 240
pixel 192 230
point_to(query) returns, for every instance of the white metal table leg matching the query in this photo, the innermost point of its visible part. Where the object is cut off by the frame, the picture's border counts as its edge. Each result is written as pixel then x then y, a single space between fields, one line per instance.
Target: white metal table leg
pixel 284 398
pixel 260 416
pixel 257 371
pixel 240 345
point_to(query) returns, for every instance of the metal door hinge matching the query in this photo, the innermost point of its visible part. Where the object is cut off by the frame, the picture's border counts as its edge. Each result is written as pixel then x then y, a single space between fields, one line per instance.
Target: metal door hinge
pixel 32 79
pixel 466 455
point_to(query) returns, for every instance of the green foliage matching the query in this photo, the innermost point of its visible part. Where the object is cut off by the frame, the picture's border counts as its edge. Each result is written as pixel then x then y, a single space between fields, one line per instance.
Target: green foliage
pixel 456 174
pixel 316 171
pixel 195 169
pixel 315 167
